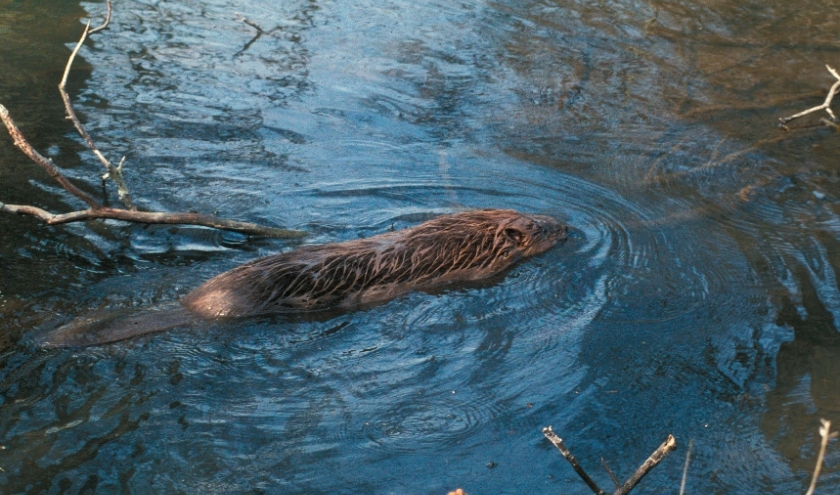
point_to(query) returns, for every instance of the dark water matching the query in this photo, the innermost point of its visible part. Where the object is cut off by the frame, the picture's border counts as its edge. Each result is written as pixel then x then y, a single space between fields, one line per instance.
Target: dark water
pixel 698 296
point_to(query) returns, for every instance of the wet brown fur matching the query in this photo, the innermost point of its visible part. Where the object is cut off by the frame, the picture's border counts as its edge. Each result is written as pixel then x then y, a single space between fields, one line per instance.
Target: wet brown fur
pixel 460 247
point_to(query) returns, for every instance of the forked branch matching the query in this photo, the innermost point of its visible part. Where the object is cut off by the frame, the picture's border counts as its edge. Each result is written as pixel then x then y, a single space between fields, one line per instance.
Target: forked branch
pixel 666 448
pixel 826 105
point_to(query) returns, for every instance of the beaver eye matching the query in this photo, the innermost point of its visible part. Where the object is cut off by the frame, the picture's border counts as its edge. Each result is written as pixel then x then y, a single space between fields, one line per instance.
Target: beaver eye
pixel 506 253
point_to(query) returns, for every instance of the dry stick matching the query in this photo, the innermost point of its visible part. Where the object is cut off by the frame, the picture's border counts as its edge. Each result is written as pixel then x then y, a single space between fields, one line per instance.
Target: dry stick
pixel 685 469
pixel 98 211
pixel 558 442
pixel 666 448
pixel 611 473
pixel 825 434
pixel 115 173
pixel 44 163
pixel 825 106
pixel 150 217
pixel 104 24
pixel 548 431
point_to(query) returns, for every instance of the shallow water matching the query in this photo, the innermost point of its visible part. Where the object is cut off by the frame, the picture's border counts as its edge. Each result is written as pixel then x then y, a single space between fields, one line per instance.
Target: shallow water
pixel 697 294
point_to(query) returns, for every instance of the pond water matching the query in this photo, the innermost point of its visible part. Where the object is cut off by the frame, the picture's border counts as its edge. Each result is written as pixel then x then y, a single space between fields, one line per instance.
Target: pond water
pixel 697 295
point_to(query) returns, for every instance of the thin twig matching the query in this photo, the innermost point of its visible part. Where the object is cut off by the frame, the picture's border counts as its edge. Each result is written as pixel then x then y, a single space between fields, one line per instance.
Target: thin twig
pixel 825 106
pixel 115 173
pixel 611 473
pixel 253 40
pixel 150 217
pixel 104 24
pixel 825 433
pixel 44 163
pixel 558 442
pixel 824 121
pixel 250 22
pixel 685 469
pixel 71 114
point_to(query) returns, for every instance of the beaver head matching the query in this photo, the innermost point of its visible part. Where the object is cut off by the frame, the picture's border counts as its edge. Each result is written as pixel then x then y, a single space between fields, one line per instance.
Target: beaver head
pixel 533 234
pixel 461 247
pixel 483 242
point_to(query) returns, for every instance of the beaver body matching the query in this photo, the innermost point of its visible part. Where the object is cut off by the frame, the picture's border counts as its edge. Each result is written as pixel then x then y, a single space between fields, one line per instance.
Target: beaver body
pixel 460 247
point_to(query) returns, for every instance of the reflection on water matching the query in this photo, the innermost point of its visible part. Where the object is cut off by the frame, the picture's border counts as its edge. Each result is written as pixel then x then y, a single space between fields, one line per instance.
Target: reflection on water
pixel 697 294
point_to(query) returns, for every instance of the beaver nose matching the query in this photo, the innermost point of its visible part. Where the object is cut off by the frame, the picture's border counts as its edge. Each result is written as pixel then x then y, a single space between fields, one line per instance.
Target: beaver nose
pixel 554 229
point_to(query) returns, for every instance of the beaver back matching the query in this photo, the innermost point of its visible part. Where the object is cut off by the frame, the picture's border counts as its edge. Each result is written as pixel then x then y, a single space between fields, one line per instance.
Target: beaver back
pixel 460 247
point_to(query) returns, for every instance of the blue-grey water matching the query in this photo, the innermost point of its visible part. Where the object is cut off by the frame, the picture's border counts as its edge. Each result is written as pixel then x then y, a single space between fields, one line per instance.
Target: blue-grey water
pixel 698 294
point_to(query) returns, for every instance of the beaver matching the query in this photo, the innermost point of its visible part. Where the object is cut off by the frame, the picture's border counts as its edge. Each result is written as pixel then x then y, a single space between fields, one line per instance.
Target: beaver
pixel 460 247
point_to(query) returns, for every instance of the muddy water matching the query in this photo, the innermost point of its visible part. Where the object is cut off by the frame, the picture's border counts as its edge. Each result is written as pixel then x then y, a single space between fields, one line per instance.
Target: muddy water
pixel 697 295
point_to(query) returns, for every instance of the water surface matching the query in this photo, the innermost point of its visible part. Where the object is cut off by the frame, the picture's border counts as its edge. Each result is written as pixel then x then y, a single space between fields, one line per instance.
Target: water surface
pixel 697 295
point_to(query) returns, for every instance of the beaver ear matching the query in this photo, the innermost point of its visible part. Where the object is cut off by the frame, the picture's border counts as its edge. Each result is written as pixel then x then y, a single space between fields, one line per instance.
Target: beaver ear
pixel 513 234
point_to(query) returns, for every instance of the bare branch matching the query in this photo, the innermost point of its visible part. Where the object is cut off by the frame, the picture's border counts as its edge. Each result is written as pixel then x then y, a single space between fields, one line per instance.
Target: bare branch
pixel 27 210
pixel 666 448
pixel 44 163
pixel 558 442
pixel 149 217
pixel 115 173
pixel 825 433
pixel 825 106
pixel 104 24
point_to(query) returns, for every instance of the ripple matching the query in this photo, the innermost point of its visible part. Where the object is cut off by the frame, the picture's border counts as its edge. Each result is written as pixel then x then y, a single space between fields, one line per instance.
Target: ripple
pixel 420 422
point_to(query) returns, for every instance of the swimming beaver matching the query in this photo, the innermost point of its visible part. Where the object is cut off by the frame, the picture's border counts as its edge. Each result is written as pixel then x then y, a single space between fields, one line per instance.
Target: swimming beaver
pixel 461 247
